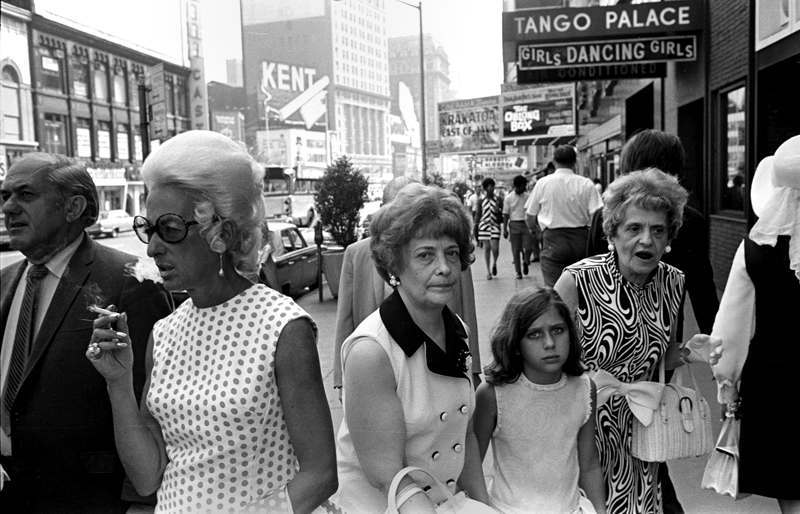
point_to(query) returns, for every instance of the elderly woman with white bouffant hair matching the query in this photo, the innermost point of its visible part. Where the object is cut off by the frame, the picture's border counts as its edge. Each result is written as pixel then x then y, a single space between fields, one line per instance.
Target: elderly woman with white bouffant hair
pixel 233 415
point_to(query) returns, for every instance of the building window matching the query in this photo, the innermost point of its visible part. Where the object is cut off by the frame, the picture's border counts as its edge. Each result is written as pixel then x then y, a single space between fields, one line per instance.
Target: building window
pixel 9 99
pixel 123 153
pixel 83 138
pixel 80 76
pixel 55 134
pixel 51 71
pixel 103 140
pixel 137 145
pixel 120 91
pixel 732 155
pixel 134 89
pixel 100 82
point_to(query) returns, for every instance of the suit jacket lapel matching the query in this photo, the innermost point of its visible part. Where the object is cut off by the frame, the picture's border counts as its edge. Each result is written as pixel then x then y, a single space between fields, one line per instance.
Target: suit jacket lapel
pixel 69 287
pixel 10 279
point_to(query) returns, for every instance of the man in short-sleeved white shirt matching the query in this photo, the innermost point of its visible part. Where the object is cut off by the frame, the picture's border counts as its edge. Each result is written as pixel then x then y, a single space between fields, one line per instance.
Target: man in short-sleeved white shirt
pixel 562 204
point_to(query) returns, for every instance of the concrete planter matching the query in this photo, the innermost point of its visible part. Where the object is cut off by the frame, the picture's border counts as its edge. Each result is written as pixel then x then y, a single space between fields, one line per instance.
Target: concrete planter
pixel 332 267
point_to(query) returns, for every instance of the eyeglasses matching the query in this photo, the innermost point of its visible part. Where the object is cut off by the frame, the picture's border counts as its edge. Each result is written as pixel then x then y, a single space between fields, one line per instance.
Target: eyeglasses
pixel 171 228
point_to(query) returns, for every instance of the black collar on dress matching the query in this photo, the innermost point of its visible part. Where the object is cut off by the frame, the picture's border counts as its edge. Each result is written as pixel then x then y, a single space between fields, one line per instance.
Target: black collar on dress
pixel 409 337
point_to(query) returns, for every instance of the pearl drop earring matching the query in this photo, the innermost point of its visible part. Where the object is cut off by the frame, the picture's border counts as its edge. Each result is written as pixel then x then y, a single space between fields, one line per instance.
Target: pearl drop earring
pixel 667 249
pixel 221 272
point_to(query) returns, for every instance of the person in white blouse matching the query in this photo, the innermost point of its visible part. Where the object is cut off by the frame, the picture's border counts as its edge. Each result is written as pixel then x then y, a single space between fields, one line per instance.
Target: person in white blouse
pixel 562 204
pixel 760 339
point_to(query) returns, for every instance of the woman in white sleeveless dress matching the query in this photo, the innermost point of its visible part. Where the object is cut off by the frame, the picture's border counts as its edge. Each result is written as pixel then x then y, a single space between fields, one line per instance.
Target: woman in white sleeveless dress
pixel 408 398
pixel 233 375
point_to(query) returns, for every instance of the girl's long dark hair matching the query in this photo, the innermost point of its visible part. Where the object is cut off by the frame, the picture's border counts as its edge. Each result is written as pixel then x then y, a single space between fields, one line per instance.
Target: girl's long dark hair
pixel 520 312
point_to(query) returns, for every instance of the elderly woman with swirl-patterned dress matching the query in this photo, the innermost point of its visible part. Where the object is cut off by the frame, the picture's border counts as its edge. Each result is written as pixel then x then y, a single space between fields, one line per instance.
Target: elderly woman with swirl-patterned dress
pixel 626 304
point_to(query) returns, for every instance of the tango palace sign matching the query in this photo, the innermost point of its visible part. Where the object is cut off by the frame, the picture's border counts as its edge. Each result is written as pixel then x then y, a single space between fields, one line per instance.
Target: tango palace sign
pixel 598 22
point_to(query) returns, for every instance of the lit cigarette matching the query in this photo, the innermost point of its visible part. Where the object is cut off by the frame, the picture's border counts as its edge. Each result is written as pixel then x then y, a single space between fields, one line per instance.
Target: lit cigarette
pixel 100 310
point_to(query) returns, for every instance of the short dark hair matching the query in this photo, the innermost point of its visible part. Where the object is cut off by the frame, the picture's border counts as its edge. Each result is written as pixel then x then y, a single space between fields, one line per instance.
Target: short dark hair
pixel 488 181
pixel 520 312
pixel 418 211
pixel 68 175
pixel 520 181
pixel 652 148
pixel 565 155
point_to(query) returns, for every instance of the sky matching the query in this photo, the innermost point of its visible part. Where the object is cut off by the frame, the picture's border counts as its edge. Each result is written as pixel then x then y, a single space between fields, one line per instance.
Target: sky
pixel 469 30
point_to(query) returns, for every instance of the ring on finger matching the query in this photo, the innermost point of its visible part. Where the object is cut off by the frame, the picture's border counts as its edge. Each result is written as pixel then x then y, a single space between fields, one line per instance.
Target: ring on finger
pixel 94 350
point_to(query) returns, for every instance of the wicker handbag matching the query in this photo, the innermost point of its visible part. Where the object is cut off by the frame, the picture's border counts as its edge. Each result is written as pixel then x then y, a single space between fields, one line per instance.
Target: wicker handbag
pixel 680 427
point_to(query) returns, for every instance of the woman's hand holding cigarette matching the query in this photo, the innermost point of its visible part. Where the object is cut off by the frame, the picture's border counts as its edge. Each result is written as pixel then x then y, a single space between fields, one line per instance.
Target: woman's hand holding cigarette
pixel 109 348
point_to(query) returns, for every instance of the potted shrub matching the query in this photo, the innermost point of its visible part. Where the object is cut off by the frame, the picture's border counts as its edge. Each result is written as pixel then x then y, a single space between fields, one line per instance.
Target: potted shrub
pixel 341 195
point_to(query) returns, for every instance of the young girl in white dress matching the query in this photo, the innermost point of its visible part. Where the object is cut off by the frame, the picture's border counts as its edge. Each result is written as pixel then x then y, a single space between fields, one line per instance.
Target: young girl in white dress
pixel 537 409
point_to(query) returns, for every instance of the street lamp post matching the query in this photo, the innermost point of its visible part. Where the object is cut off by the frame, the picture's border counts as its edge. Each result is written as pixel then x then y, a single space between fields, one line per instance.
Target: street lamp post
pixel 418 7
pixel 422 126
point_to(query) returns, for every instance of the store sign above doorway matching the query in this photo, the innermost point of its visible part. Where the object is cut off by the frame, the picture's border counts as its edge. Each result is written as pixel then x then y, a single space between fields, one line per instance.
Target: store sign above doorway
pixel 606 52
pixel 576 23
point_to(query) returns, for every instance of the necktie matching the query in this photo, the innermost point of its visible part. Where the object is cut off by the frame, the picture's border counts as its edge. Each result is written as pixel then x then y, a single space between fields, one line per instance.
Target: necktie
pixel 22 339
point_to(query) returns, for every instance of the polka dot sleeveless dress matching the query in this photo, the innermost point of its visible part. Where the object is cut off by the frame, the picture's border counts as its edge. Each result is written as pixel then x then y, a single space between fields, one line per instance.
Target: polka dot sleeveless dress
pixel 214 394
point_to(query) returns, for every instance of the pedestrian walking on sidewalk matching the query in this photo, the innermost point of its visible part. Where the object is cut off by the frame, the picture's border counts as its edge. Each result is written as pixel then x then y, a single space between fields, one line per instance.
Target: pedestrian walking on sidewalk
pixel 407 396
pixel 488 218
pixel 537 408
pixel 514 227
pixel 562 204
pixel 234 415
pixel 56 438
pixel 627 302
pixel 757 322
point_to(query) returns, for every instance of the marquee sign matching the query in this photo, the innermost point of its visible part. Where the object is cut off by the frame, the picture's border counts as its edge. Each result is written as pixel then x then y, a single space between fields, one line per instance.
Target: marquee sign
pixel 571 23
pixel 540 111
pixel 470 125
pixel 617 51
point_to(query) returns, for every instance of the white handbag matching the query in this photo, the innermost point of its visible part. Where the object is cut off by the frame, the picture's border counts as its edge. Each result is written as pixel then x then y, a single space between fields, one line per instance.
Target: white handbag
pixel 453 504
pixel 680 426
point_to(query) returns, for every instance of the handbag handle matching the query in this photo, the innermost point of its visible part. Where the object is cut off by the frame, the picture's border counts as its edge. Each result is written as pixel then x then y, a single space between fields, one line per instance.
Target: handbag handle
pixel 392 499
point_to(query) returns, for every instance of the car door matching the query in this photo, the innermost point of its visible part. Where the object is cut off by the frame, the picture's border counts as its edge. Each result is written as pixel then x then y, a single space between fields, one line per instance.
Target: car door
pixel 308 259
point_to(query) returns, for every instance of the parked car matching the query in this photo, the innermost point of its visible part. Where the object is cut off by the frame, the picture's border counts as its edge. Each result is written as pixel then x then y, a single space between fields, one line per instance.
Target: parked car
pixel 289 263
pixel 111 223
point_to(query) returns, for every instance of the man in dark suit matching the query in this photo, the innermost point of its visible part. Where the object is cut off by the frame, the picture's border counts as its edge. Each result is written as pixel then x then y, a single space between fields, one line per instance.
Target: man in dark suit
pixel 56 435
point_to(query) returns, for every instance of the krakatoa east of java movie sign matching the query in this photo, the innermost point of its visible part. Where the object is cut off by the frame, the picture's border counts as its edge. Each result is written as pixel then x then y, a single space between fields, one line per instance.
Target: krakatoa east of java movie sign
pixel 577 23
pixel 540 111
pixel 469 125
pixel 617 51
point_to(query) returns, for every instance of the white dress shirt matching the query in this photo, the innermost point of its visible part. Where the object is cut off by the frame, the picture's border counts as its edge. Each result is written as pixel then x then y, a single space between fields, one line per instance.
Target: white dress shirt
pixel 514 206
pixel 564 200
pixel 56 267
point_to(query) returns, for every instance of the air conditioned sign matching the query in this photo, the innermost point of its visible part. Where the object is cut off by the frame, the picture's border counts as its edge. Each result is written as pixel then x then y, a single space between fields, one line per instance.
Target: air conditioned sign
pixel 618 51
pixel 570 23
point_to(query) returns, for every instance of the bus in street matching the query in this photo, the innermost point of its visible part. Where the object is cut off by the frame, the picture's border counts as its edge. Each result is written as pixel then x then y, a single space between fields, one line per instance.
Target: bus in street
pixel 288 197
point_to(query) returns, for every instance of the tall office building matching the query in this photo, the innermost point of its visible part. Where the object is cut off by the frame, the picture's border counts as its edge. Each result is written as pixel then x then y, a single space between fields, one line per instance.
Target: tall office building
pixel 320 66
pixel 404 67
